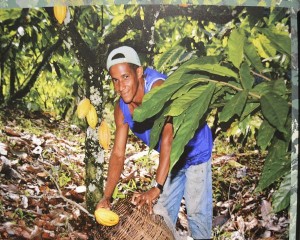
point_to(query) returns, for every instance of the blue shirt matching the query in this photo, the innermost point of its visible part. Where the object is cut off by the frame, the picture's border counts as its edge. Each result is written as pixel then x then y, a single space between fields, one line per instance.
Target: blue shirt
pixel 198 149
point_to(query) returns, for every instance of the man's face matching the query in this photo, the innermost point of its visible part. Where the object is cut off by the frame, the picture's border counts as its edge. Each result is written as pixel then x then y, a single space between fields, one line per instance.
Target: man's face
pixel 125 80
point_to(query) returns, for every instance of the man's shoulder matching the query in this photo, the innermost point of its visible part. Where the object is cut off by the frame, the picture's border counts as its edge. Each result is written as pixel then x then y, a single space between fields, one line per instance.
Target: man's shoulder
pixel 151 72
pixel 153 78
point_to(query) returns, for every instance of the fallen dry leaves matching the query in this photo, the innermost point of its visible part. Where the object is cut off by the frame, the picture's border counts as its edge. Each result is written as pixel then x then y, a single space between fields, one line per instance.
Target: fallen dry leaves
pixel 42 174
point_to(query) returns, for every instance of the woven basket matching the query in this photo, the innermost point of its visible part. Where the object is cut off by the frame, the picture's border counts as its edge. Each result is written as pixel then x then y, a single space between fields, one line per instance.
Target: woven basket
pixel 135 224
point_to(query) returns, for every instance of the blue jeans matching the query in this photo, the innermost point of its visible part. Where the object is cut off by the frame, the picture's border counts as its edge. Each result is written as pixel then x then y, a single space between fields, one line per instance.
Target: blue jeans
pixel 195 185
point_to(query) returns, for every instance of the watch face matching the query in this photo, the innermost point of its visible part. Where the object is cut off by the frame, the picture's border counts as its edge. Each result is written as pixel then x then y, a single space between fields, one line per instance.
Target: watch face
pixel 157 185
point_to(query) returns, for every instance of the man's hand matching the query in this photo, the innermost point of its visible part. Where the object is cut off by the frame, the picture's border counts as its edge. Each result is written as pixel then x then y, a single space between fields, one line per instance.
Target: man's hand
pixel 149 197
pixel 104 203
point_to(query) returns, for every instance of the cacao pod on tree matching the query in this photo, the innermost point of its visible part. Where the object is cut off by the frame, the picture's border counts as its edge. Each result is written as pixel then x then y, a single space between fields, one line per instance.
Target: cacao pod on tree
pixel 60 13
pixel 104 135
pixel 106 217
pixel 83 107
pixel 92 117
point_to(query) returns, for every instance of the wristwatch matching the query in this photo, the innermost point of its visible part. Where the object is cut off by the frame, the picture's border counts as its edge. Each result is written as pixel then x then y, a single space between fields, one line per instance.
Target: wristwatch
pixel 157 185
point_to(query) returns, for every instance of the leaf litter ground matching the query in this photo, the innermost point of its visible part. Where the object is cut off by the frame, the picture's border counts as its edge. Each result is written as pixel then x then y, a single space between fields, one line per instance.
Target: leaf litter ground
pixel 42 190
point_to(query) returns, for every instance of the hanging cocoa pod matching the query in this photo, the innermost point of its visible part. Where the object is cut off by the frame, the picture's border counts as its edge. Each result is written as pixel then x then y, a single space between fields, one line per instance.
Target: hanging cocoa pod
pixel 104 135
pixel 60 13
pixel 92 117
pixel 83 107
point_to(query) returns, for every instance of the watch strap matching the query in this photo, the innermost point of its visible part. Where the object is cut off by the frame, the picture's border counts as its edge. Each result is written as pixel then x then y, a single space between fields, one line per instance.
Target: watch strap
pixel 157 185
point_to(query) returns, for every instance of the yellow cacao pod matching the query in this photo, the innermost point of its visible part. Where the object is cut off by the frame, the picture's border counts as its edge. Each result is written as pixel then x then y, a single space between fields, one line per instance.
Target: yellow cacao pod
pixel 104 135
pixel 106 217
pixel 83 107
pixel 60 13
pixel 92 117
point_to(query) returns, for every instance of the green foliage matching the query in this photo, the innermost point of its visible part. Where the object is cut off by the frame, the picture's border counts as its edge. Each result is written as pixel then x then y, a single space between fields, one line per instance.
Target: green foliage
pixel 235 47
pixel 237 73
pixel 249 84
pixel 189 121
pixel 2 209
pixel 62 175
pixel 170 58
pixel 275 114
pixel 21 214
pixel 234 106
pixel 281 198
pixel 265 135
pixel 23 52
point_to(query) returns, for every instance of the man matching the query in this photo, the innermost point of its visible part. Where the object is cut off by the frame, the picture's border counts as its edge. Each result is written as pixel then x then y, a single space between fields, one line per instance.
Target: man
pixel 191 176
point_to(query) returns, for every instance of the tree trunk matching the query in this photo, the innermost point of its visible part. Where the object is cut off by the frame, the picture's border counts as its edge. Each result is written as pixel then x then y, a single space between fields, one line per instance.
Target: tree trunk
pixel 94 154
pixel 1 83
pixel 46 58
pixel 13 73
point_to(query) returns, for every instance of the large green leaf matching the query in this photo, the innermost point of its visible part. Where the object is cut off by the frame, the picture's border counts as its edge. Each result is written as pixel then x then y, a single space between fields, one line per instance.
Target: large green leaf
pixel 170 57
pixel 249 108
pixel 281 197
pixel 277 86
pixel 236 47
pixel 211 64
pixel 252 55
pixel 277 164
pixel 184 89
pixel 234 106
pixel 276 14
pixel 247 79
pixel 181 104
pixel 265 135
pixel 154 101
pixel 214 69
pixel 275 110
pixel 158 125
pixel 282 42
pixel 189 123
pixel 177 121
pixel 206 60
pixel 10 14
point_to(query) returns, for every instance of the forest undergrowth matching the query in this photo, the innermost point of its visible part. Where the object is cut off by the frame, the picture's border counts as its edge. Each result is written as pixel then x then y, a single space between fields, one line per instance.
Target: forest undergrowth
pixel 42 191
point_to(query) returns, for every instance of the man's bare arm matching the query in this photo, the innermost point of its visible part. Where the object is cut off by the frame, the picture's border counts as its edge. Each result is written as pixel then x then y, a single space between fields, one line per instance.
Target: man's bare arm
pixel 116 161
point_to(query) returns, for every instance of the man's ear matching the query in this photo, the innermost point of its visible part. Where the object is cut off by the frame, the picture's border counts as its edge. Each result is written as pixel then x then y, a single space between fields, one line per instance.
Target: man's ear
pixel 140 72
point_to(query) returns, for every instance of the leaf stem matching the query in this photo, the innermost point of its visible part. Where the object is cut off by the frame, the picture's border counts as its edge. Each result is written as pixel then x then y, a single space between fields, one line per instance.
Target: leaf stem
pixel 260 75
pixel 232 86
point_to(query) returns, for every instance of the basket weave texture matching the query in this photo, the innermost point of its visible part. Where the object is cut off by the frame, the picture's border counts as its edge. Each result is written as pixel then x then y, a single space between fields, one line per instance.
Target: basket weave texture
pixel 135 224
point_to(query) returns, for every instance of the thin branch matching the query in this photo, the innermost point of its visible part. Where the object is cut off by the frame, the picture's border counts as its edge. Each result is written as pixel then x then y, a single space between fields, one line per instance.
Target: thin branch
pixel 60 192
pixel 260 75
pixel 46 57
pixel 234 87
pixel 230 85
pixel 18 22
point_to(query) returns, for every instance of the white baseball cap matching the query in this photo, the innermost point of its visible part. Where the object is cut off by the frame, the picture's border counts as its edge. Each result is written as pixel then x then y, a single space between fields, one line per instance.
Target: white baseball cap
pixel 122 54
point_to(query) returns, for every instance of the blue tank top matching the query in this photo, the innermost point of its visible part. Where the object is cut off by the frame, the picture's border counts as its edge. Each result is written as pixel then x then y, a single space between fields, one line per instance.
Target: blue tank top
pixel 198 149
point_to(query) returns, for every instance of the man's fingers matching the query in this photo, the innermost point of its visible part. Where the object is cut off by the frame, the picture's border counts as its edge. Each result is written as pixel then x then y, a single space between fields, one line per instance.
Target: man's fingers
pixel 140 199
pixel 135 198
pixel 103 204
pixel 149 207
